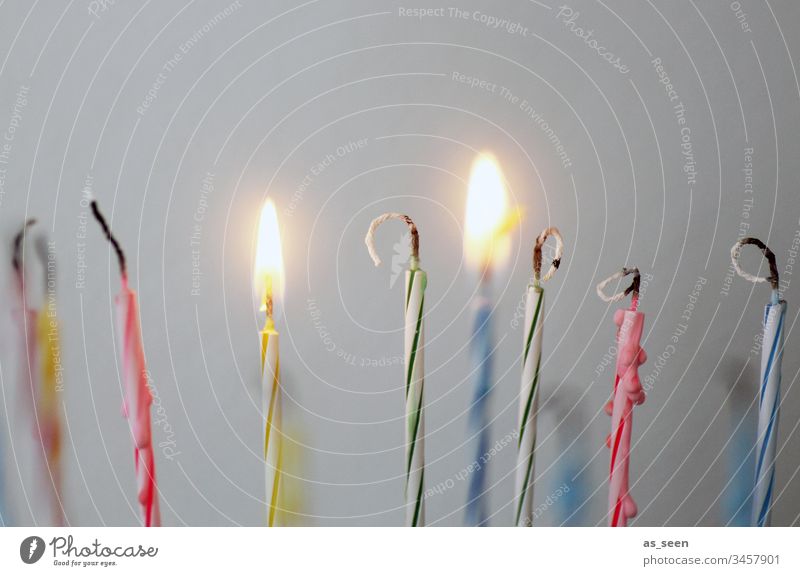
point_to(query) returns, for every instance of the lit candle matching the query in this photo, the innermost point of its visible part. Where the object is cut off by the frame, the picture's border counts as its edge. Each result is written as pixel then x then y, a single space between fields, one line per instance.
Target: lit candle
pixel 268 280
pixel 529 389
pixel 138 396
pixel 627 392
pixel 770 385
pixel 488 220
pixel 414 373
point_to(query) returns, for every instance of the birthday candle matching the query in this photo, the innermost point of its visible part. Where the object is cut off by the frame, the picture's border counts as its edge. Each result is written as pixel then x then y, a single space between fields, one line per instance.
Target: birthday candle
pixel 529 389
pixel 769 397
pixel 138 397
pixel 627 392
pixel 414 374
pixel 40 346
pixel 488 219
pixel 26 320
pixel 49 348
pixel 268 277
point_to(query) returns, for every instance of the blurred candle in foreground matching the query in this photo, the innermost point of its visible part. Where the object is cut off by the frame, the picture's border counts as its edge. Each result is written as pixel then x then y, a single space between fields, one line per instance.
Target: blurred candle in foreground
pixel 414 380
pixel 488 220
pixel 138 397
pixel 41 361
pixel 50 383
pixel 627 393
pixel 769 398
pixel 529 388
pixel 269 284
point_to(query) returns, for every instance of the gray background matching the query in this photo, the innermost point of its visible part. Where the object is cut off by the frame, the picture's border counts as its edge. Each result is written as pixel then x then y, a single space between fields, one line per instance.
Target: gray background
pixel 266 93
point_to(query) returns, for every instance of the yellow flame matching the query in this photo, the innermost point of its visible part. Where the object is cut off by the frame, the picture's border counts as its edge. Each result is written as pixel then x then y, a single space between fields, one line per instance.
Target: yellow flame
pixel 268 272
pixel 489 217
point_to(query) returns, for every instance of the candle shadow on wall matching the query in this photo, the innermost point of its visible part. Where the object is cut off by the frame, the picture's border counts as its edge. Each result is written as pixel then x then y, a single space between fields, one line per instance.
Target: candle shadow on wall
pixel 563 496
pixel 740 375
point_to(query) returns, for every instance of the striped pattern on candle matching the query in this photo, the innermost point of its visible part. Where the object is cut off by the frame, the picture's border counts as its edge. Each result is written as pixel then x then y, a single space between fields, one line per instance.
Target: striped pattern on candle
pixel 271 407
pixel 416 281
pixel 529 401
pixel 768 411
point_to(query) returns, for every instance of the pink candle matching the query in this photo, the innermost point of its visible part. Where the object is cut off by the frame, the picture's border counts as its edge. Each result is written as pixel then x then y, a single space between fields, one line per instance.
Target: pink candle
pixel 138 398
pixel 627 393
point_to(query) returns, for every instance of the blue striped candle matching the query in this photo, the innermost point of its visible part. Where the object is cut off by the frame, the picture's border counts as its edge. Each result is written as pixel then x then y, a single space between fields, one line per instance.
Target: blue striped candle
pixel 768 409
pixel 477 514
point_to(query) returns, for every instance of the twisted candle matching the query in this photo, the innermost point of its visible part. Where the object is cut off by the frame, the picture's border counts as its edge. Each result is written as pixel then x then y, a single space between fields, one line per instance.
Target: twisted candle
pixel 769 396
pixel 138 397
pixel 627 392
pixel 416 282
pixel 529 388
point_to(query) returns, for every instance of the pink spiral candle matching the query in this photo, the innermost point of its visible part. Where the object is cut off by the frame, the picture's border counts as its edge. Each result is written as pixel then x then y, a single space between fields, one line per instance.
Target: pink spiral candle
pixel 627 392
pixel 138 399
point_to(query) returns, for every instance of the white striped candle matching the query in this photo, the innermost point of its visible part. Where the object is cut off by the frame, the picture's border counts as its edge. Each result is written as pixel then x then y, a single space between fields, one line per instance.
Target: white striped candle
pixel 414 370
pixel 529 388
pixel 528 407
pixel 768 410
pixel 414 333
pixel 769 395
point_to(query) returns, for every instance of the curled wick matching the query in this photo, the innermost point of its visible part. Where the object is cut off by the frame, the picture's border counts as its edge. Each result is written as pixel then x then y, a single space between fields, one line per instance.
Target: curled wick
pixel 773 278
pixel 537 254
pixel 370 238
pixel 633 289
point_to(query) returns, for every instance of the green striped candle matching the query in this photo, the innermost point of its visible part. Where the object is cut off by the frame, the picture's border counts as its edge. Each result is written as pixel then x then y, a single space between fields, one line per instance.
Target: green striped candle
pixel 414 373
pixel 529 389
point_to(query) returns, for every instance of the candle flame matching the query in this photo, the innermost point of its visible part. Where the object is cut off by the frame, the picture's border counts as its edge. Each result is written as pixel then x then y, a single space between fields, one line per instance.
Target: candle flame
pixel 489 217
pixel 268 274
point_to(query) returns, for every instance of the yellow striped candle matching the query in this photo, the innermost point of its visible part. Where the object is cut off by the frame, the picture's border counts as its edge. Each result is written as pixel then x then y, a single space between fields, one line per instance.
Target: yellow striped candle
pixel 268 275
